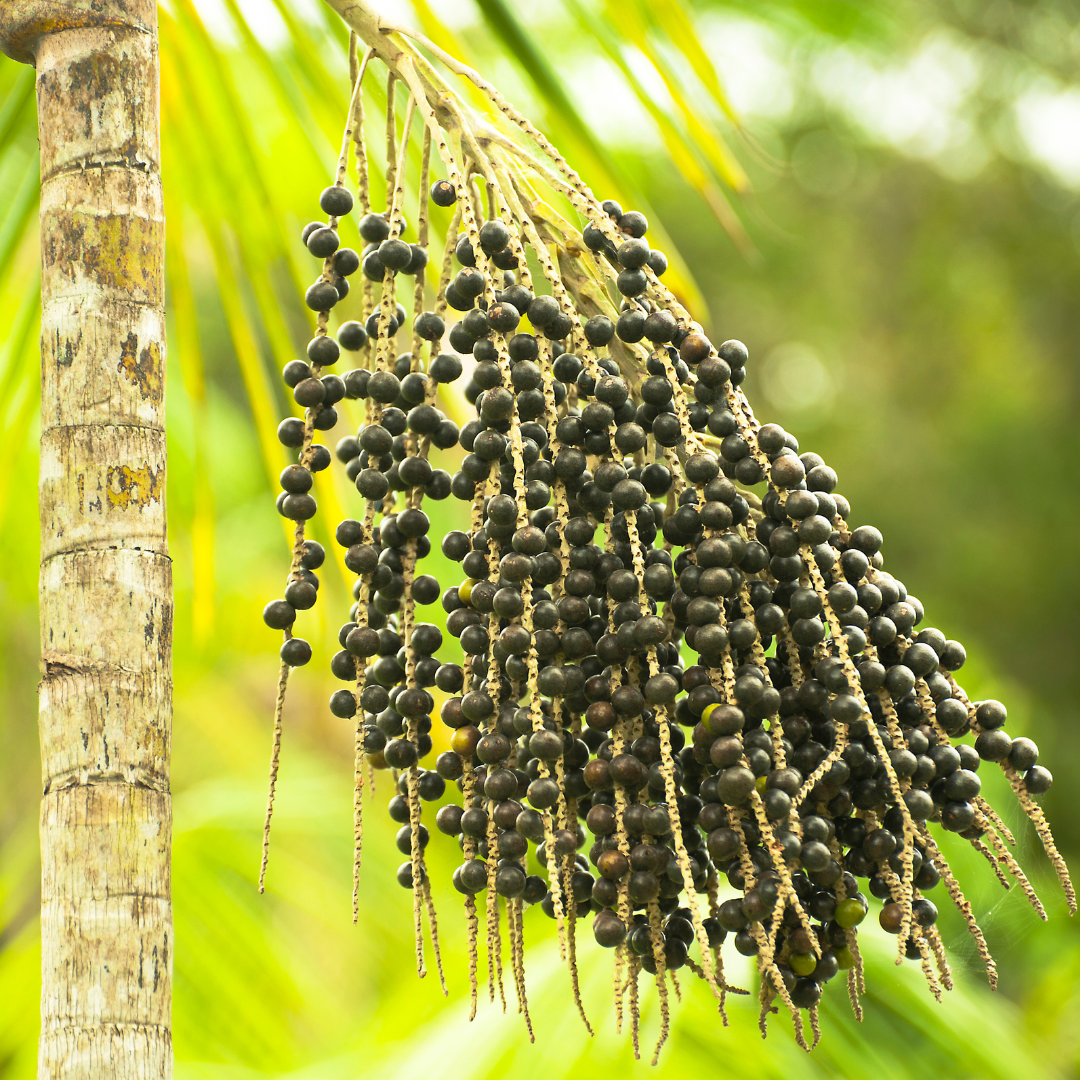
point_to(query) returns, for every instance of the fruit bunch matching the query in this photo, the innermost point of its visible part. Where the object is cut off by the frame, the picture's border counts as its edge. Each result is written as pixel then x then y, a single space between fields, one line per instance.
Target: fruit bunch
pixel 694 707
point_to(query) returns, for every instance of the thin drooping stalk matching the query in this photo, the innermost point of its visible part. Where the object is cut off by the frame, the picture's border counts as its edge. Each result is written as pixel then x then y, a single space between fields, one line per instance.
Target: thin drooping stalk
pixel 106 584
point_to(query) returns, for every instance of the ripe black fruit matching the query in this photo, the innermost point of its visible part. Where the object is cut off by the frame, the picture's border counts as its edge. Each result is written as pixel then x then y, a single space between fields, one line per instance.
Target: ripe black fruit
pixel 336 201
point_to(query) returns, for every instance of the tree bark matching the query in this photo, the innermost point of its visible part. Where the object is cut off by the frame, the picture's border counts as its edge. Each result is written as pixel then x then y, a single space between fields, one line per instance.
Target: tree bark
pixel 105 585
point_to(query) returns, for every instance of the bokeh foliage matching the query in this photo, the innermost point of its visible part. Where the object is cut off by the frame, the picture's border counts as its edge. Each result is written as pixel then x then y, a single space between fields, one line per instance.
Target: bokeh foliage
pixel 871 196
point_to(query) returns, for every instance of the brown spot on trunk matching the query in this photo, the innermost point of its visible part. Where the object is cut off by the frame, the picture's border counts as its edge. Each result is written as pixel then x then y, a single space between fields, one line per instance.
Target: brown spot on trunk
pixel 142 369
pixel 128 348
pixel 89 82
pixel 165 636
pixel 127 487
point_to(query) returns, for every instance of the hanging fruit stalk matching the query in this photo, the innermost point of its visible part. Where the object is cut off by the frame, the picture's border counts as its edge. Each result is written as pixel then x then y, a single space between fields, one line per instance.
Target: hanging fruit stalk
pixel 626 507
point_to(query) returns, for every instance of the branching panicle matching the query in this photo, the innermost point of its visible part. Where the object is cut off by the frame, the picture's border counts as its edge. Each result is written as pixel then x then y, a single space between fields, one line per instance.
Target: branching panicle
pixel 613 527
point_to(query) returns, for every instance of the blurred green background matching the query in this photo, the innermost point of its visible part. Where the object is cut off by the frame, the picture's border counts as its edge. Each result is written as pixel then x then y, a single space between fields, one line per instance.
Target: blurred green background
pixel 880 199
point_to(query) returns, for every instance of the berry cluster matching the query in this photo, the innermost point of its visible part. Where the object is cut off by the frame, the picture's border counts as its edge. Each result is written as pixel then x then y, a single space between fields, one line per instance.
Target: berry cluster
pixel 693 704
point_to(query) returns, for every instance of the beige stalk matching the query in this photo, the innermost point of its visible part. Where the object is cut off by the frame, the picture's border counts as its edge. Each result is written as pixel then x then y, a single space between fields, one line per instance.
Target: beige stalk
pixel 106 584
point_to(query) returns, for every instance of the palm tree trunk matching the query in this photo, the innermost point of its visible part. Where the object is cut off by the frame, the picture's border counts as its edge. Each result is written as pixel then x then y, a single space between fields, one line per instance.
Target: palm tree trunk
pixel 105 585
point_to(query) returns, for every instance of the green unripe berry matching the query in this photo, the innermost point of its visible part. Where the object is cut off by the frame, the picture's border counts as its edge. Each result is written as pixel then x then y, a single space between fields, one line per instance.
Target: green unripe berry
pixel 844 956
pixel 849 913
